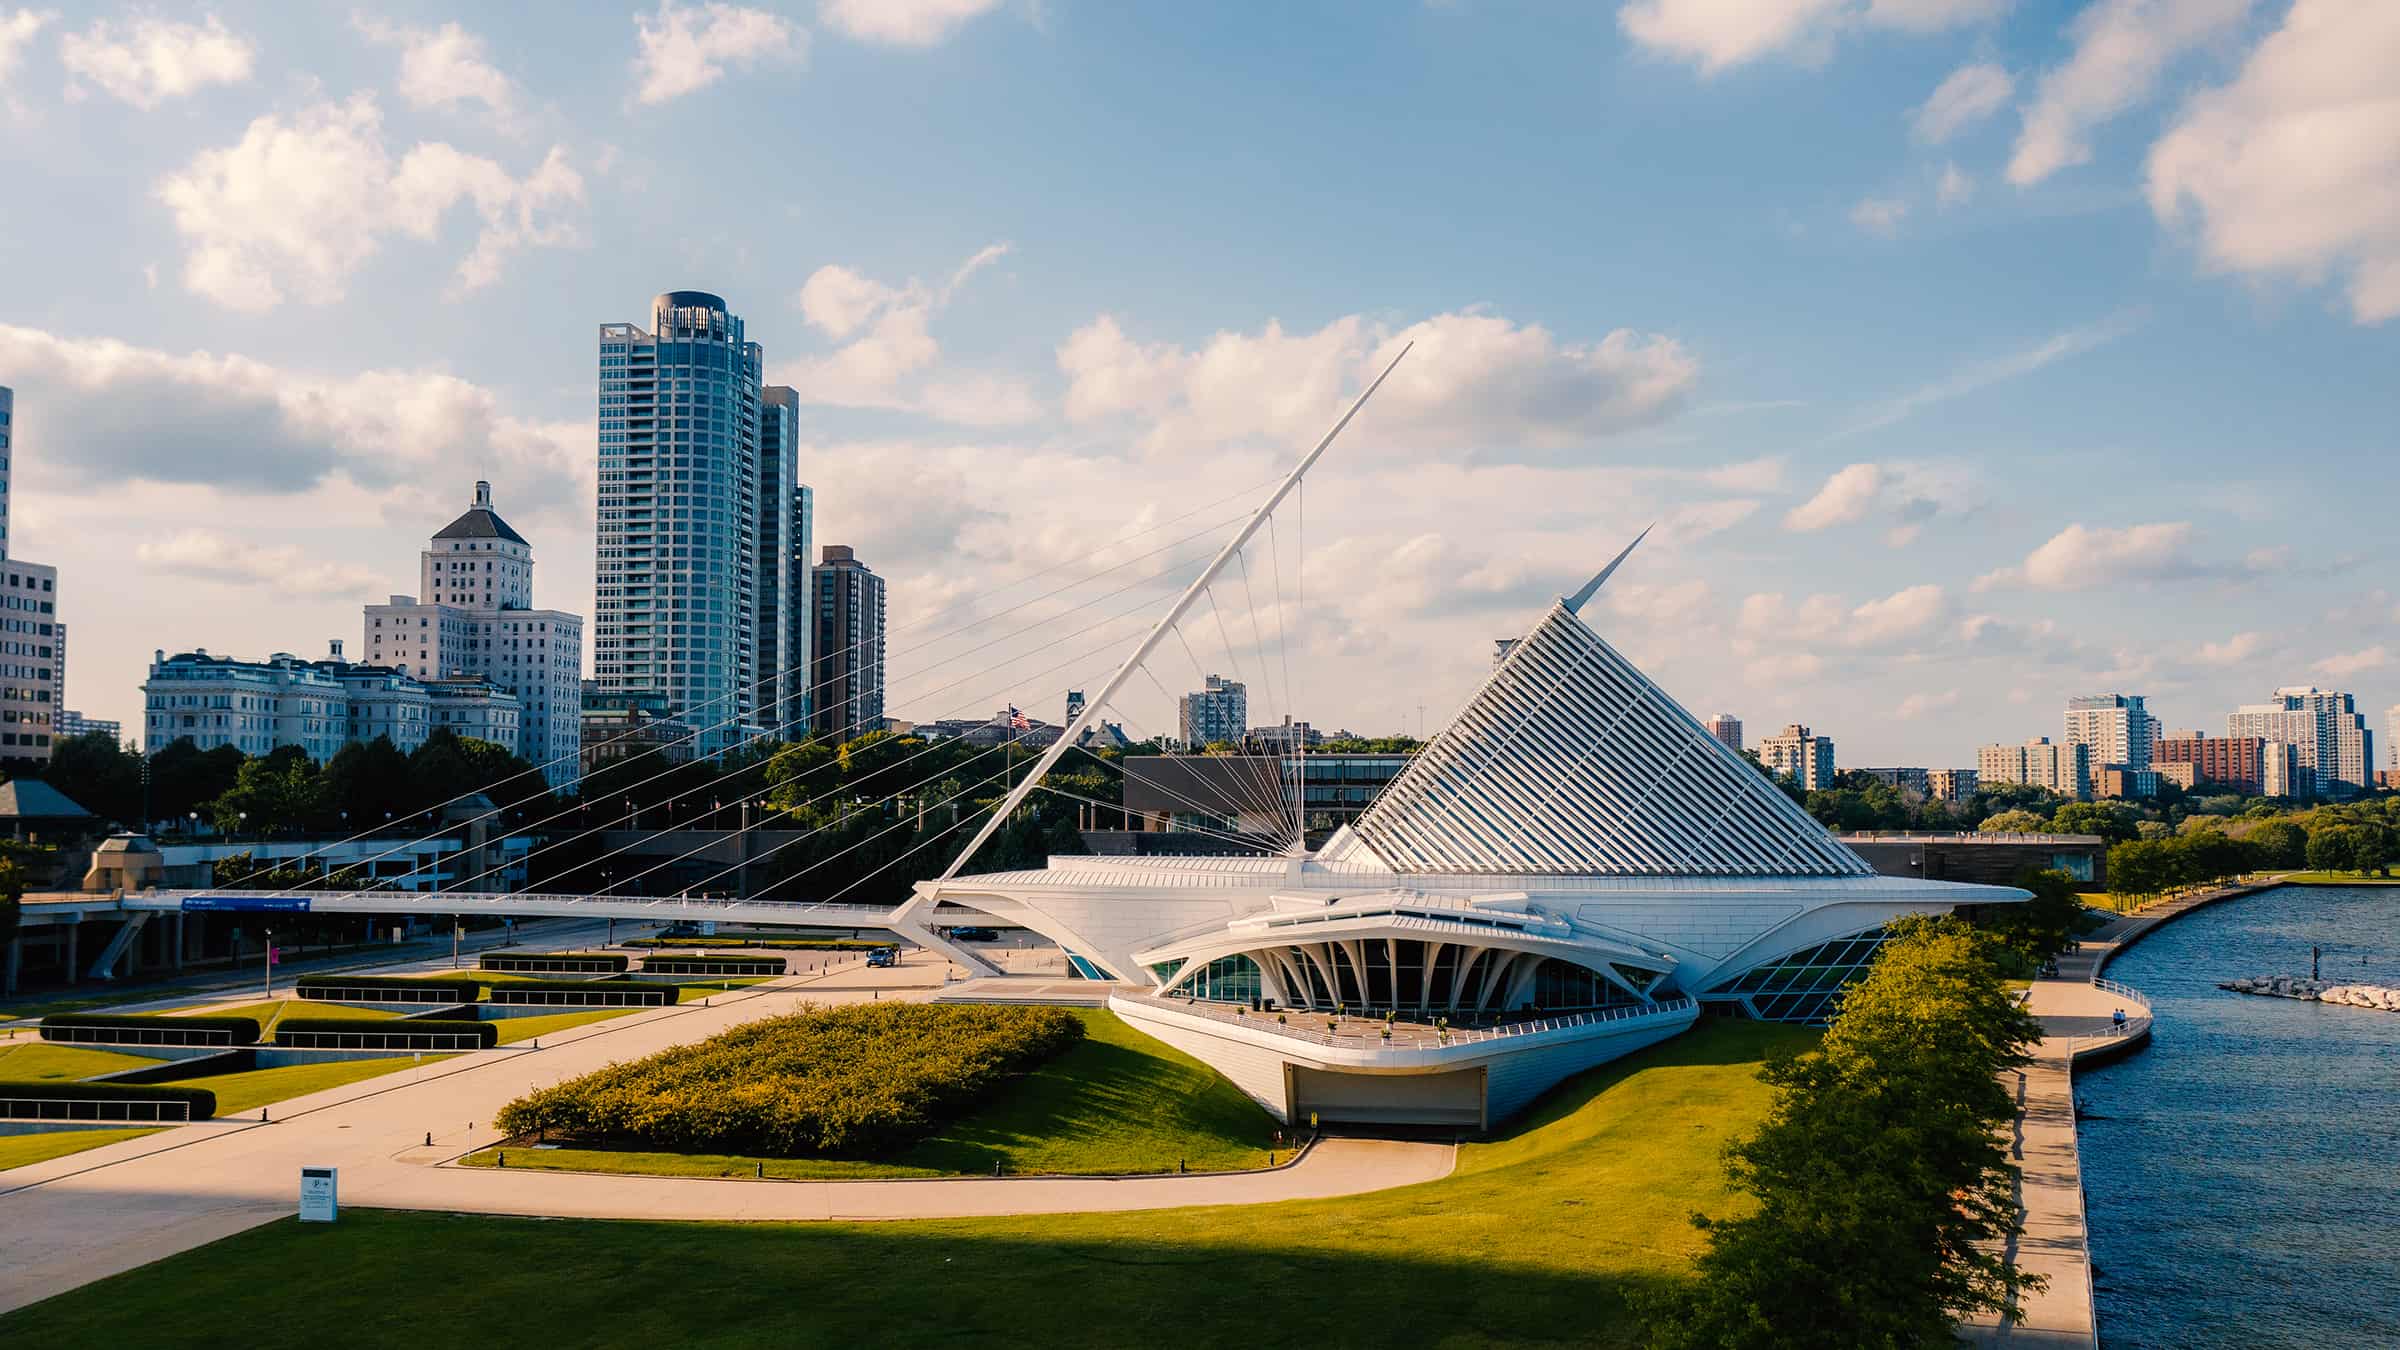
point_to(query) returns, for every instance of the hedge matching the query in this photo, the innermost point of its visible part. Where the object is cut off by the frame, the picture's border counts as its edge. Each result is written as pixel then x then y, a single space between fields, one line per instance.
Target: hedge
pixel 714 965
pixel 486 1034
pixel 854 1081
pixel 202 1101
pixel 139 1030
pixel 435 991
pixel 579 963
pixel 583 994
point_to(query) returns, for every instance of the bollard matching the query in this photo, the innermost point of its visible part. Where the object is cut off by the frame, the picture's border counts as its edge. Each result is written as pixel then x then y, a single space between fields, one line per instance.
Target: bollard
pixel 429 1139
pixel 762 1171
pixel 995 1167
pixel 1179 1168
pixel 502 1157
pixel 262 1114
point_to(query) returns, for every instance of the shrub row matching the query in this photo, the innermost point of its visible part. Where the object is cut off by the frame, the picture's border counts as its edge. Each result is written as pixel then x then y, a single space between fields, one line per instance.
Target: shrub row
pixel 203 1102
pixel 133 1029
pixel 714 965
pixel 576 963
pixel 394 1033
pixel 853 1081
pixel 434 991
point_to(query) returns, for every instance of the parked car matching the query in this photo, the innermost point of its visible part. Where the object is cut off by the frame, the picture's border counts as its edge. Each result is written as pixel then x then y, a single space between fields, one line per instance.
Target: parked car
pixel 971 934
pixel 883 958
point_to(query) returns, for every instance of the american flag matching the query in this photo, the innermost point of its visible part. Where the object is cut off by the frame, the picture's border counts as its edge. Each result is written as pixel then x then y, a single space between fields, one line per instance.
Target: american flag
pixel 1018 721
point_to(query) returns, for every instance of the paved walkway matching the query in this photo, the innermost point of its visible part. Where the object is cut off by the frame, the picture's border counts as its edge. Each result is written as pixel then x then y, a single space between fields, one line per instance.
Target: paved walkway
pixel 2079 1021
pixel 72 1220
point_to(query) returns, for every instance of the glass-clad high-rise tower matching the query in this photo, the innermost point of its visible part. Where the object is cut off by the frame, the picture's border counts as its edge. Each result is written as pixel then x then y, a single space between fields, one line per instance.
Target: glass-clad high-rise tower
pixel 689 519
pixel 784 548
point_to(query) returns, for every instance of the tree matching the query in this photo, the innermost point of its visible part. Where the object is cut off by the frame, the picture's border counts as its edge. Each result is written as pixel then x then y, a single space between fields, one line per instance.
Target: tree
pixel 2330 849
pixel 2278 843
pixel 2110 821
pixel 365 784
pixel 2012 822
pixel 277 791
pixel 1882 1185
pixel 99 774
pixel 2041 927
pixel 185 778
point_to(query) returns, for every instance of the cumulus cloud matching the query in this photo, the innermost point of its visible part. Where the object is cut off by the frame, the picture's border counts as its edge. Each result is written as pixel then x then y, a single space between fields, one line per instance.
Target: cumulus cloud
pixel 1879 215
pixel 901 23
pixel 1717 35
pixel 2293 169
pixel 2232 651
pixel 1767 618
pixel 1476 384
pixel 1844 499
pixel 1906 493
pixel 151 60
pixel 1970 94
pixel 213 556
pixel 1901 614
pixel 686 48
pixel 2122 49
pixel 2346 664
pixel 2081 557
pixel 16 34
pixel 889 358
pixel 1919 704
pixel 443 67
pixel 297 205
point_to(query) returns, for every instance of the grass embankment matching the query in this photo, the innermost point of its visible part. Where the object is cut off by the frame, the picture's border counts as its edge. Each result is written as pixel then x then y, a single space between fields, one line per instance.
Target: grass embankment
pixel 251 1089
pixel 1116 1102
pixel 41 1061
pixel 1537 1240
pixel 515 1029
pixel 22 1150
pixel 268 1014
pixel 2336 879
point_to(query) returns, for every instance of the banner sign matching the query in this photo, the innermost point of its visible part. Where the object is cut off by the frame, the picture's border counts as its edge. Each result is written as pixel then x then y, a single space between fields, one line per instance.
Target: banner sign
pixel 272 904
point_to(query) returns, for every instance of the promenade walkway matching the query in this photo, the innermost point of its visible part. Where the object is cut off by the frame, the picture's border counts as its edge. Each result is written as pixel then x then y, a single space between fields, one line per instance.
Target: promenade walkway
pixel 2078 1011
pixel 76 1219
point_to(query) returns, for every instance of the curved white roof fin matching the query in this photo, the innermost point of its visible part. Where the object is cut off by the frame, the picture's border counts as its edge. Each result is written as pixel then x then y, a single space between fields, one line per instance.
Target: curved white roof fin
pixel 1575 601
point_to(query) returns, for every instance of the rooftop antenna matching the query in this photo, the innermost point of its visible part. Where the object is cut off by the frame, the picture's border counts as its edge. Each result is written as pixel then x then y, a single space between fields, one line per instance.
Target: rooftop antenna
pixel 1091 710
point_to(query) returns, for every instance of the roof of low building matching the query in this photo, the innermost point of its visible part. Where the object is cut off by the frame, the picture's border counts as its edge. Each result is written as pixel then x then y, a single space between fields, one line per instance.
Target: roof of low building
pixel 33 799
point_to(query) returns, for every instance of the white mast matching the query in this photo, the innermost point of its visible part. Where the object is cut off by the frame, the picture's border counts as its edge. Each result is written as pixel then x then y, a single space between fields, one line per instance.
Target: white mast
pixel 1091 709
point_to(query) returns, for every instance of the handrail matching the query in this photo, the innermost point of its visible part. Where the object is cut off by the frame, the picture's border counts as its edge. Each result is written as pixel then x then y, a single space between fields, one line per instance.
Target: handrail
pixel 1454 1035
pixel 2123 991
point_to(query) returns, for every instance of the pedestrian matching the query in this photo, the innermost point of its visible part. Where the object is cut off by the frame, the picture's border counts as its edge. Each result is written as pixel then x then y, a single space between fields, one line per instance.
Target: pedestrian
pixel 2119 1019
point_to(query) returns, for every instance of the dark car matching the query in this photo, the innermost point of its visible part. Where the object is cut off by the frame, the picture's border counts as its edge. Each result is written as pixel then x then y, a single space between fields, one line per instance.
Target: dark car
pixel 975 934
pixel 883 958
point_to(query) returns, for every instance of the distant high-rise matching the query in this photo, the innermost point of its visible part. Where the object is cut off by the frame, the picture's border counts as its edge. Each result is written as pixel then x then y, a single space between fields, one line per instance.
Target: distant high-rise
pixel 2335 748
pixel 1952 785
pixel 1727 728
pixel 2391 733
pixel 1806 756
pixel 1218 711
pixel 787 509
pixel 32 650
pixel 849 646
pixel 8 416
pixel 2117 727
pixel 682 572
pixel 2064 769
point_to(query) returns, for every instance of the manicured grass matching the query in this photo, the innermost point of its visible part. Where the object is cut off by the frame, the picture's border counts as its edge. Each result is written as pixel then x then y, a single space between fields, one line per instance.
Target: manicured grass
pixel 514 1029
pixel 40 1061
pixel 2337 879
pixel 693 993
pixel 1536 1241
pixel 20 1150
pixel 253 1088
pixel 268 1014
pixel 1113 1103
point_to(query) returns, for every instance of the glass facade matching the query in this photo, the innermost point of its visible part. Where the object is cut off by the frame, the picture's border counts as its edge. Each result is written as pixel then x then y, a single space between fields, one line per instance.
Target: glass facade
pixel 1408 976
pixel 1802 986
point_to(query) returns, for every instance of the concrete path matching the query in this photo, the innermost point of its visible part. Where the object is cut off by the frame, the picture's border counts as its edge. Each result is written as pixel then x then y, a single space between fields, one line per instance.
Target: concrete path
pixel 66 1222
pixel 2079 1021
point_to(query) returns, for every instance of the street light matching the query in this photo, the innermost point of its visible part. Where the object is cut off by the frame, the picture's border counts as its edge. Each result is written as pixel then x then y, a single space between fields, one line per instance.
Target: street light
pixel 270 963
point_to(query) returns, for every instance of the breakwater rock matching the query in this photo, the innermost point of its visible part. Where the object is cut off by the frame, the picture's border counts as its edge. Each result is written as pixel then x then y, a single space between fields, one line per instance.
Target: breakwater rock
pixel 2319 991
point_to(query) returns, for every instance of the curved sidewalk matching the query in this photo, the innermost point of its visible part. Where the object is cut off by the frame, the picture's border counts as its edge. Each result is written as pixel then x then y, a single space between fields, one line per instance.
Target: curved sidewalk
pixel 72 1220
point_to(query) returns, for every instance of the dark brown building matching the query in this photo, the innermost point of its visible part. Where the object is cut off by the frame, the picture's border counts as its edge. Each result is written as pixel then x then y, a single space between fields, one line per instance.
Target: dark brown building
pixel 1989 859
pixel 2227 761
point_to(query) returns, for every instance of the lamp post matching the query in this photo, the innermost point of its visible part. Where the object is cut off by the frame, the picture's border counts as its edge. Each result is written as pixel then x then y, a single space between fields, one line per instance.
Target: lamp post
pixel 270 968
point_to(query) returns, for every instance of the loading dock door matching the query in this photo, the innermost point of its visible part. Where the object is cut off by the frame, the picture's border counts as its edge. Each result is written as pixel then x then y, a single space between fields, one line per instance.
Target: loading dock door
pixel 1454 1098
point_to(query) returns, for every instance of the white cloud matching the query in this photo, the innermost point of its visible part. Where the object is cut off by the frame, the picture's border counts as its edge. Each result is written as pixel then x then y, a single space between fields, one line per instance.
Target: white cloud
pixel 2346 664
pixel 2293 169
pixel 1919 704
pixel 1879 215
pixel 443 67
pixel 1955 187
pixel 16 34
pixel 1475 383
pixel 1845 498
pixel 152 59
pixel 2122 48
pixel 686 48
pixel 282 569
pixel 1717 35
pixel 1899 615
pixel 1767 619
pixel 297 206
pixel 2080 557
pixel 1970 94
pixel 837 300
pixel 902 23
pixel 889 354
pixel 1910 493
pixel 2233 651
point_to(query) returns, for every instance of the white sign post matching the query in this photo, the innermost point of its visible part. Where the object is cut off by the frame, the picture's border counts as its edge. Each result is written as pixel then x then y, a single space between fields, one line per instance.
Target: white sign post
pixel 318 1203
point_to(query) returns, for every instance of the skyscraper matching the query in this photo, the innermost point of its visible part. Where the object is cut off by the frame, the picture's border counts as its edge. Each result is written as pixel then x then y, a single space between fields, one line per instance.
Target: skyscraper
pixel 849 646
pixel 8 416
pixel 785 632
pixel 2335 748
pixel 32 659
pixel 1727 728
pixel 473 615
pixel 1218 711
pixel 2117 727
pixel 683 574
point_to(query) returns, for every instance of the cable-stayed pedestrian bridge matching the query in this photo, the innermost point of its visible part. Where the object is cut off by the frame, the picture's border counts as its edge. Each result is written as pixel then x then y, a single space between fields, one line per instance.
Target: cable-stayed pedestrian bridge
pixel 515 905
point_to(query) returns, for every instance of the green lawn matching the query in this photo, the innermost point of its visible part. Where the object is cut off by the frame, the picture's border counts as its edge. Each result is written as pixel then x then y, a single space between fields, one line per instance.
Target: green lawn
pixel 514 1029
pixel 1115 1102
pixel 239 1093
pixel 268 1014
pixel 40 1061
pixel 1535 1242
pixel 2338 879
pixel 20 1150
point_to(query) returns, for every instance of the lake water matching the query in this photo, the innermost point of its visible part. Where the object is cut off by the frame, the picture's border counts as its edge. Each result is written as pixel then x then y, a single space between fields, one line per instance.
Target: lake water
pixel 2243 1172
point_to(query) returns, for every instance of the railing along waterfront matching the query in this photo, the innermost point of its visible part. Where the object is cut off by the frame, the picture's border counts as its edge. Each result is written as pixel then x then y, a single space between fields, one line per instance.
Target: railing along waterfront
pixel 2124 991
pixel 1423 1037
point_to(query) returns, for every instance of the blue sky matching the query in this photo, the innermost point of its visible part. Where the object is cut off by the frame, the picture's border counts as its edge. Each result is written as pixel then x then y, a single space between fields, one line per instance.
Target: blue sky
pixel 1971 353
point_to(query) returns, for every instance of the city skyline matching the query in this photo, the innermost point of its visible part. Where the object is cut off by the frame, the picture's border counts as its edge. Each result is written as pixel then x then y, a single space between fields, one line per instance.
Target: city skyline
pixel 228 426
